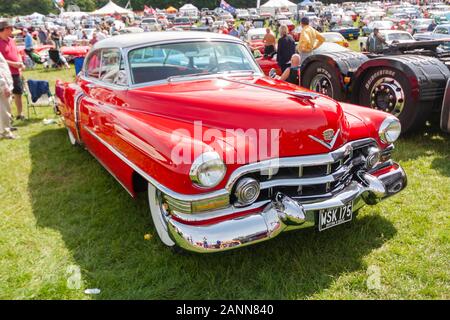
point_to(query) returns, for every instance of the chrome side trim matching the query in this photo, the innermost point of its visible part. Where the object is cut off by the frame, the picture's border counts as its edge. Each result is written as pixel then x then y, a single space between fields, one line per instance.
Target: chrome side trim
pixel 159 186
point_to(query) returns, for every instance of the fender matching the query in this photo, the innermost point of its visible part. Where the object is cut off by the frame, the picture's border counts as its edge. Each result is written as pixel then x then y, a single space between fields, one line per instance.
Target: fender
pixel 427 75
pixel 346 63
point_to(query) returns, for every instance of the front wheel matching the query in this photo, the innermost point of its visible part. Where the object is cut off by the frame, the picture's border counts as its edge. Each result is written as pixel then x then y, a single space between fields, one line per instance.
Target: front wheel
pixel 388 90
pixel 158 214
pixel 72 139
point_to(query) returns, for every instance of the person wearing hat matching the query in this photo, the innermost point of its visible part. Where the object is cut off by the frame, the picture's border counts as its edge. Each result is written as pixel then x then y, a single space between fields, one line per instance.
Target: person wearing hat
pixel 310 39
pixel 9 51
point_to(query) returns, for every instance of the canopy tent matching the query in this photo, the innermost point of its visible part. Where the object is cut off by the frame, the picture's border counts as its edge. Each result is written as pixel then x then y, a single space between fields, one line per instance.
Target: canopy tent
pixel 111 8
pixel 189 10
pixel 171 10
pixel 272 5
pixel 71 15
pixel 36 16
pixel 306 3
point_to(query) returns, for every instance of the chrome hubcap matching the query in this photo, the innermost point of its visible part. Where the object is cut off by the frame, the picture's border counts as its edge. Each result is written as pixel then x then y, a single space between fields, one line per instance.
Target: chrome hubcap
pixel 387 95
pixel 322 84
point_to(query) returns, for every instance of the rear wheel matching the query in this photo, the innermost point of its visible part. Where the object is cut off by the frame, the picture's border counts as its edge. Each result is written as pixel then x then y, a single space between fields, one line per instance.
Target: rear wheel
pixel 323 78
pixel 388 90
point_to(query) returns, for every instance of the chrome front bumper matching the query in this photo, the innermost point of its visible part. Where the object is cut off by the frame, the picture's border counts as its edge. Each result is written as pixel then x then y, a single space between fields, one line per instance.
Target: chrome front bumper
pixel 281 214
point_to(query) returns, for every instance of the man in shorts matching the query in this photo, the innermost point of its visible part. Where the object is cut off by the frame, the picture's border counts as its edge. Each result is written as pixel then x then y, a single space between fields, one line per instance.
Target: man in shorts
pixel 9 51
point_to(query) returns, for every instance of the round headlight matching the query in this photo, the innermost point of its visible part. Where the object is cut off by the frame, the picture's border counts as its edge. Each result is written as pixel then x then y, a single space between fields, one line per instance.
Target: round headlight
pixel 207 170
pixel 390 130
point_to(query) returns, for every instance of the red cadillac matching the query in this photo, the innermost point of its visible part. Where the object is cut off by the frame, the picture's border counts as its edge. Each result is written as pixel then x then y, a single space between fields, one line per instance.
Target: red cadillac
pixel 227 156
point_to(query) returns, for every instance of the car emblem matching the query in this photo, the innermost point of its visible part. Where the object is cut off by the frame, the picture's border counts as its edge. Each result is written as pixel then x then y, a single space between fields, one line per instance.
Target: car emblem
pixel 328 135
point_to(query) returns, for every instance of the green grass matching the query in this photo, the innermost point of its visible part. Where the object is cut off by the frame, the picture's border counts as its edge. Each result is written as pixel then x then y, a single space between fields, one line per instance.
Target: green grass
pixel 60 209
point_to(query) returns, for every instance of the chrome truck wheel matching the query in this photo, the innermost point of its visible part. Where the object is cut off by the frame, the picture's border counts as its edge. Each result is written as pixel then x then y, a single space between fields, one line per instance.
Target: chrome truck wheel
pixel 158 214
pixel 388 89
pixel 388 95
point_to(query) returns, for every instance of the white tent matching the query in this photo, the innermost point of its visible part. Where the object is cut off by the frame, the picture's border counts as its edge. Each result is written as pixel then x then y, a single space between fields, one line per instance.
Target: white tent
pixel 272 5
pixel 111 8
pixel 36 16
pixel 189 10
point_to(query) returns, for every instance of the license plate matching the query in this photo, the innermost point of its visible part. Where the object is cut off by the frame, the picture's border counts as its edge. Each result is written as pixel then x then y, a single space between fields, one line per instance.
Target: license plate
pixel 351 35
pixel 332 217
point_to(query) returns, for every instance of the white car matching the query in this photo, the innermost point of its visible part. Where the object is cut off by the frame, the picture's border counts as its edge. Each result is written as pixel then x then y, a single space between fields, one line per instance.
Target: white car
pixel 150 24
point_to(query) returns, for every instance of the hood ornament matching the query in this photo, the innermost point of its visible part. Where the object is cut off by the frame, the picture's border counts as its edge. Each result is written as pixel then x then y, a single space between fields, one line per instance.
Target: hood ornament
pixel 328 135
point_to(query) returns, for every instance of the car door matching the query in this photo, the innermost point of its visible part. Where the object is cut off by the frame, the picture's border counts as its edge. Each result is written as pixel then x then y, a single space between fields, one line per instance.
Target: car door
pixel 105 88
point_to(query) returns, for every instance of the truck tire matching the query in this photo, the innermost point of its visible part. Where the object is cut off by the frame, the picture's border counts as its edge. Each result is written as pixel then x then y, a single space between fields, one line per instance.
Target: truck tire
pixel 323 78
pixel 388 89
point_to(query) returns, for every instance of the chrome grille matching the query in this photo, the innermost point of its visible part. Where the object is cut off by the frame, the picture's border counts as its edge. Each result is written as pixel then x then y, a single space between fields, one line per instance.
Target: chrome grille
pixel 312 181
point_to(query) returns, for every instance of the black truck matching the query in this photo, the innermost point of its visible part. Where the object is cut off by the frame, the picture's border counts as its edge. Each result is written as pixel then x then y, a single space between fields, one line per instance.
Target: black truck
pixel 409 80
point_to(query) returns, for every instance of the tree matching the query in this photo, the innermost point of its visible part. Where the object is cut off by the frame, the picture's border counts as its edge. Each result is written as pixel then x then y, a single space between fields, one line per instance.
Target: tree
pixel 25 7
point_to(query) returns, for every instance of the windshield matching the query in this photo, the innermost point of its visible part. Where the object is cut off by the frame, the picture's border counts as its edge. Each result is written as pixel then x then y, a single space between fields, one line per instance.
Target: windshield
pixel 155 63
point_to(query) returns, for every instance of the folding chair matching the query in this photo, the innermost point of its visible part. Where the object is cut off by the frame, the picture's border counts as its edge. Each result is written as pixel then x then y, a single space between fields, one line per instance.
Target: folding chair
pixel 37 93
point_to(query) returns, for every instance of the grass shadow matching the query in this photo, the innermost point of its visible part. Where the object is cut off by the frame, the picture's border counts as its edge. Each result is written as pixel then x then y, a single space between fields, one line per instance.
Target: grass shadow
pixel 103 228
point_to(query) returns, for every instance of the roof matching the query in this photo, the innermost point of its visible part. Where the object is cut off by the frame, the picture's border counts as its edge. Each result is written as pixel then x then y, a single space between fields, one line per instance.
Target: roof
pixel 136 39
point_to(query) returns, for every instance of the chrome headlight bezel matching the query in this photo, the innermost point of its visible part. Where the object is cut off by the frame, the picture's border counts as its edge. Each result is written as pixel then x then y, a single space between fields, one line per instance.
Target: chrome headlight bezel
pixel 205 162
pixel 390 129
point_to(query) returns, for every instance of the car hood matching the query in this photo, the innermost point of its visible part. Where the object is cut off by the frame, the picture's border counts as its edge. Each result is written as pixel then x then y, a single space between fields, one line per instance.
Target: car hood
pixel 249 103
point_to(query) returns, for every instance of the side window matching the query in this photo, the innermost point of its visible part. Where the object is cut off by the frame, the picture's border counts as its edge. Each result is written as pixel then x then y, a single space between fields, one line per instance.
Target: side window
pixel 112 68
pixel 92 66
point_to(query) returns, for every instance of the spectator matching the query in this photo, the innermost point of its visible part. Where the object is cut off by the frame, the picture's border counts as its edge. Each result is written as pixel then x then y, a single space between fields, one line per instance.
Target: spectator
pixel 55 58
pixel 233 32
pixel 9 51
pixel 42 35
pixel 6 87
pixel 286 48
pixel 432 26
pixel 292 74
pixel 94 39
pixel 269 42
pixel 56 38
pixel 310 39
pixel 375 42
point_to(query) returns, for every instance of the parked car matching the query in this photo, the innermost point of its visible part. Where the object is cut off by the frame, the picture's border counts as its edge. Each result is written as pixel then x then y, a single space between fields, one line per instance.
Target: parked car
pixel 381 25
pixel 182 22
pixel 420 25
pixel 440 32
pixel 347 31
pixel 335 37
pixel 327 159
pixel 255 38
pixel 151 24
